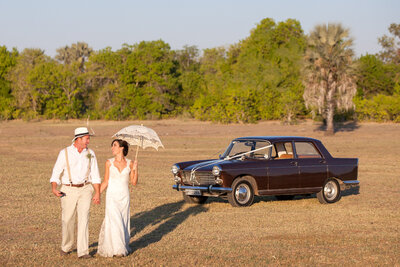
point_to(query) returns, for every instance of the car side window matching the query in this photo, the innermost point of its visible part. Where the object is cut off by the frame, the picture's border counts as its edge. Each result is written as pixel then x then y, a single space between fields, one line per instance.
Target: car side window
pixel 282 150
pixel 306 150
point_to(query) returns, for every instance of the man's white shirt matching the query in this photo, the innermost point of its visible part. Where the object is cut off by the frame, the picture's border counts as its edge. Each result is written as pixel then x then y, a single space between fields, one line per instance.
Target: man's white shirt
pixel 78 164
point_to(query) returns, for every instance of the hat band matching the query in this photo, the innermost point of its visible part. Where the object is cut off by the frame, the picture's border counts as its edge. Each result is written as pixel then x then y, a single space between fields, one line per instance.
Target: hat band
pixel 81 134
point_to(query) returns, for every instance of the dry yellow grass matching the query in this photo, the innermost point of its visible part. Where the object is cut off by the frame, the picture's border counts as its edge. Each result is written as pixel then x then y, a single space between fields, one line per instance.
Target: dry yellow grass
pixel 361 229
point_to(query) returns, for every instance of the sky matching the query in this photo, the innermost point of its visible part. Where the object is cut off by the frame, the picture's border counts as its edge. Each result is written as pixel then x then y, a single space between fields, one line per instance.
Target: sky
pixel 51 24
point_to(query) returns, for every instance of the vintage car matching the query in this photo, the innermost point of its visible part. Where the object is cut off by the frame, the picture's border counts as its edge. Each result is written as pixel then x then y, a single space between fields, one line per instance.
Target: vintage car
pixel 282 166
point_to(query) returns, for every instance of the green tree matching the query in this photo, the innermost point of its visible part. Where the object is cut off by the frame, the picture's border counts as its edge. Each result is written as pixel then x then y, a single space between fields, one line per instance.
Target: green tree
pixel 391 45
pixel 150 81
pixel 103 77
pixel 7 62
pixel 25 95
pixel 258 78
pixel 374 77
pixel 328 72
pixel 190 79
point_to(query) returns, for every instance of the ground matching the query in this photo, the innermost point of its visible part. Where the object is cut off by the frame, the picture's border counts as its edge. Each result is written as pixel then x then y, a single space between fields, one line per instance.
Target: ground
pixel 361 229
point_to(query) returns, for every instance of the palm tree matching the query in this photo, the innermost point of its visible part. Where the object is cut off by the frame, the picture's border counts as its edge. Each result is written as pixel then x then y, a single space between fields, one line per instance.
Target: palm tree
pixel 78 52
pixel 328 80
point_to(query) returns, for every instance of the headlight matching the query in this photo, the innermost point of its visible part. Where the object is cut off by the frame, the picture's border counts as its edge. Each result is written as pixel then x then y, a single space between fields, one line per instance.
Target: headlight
pixel 216 170
pixel 174 169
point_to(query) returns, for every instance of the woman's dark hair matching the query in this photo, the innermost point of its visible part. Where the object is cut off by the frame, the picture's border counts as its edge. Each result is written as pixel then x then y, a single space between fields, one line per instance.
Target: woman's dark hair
pixel 123 144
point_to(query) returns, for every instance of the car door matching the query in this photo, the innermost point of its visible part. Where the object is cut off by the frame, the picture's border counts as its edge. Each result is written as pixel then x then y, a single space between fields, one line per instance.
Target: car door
pixel 312 166
pixel 283 172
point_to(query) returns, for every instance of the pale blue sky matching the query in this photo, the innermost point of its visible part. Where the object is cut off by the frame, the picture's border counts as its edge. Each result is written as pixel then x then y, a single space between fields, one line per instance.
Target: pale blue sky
pixel 50 24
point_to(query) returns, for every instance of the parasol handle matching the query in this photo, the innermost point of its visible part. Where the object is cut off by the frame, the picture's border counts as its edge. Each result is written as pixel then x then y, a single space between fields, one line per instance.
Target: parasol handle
pixel 137 147
pixel 137 150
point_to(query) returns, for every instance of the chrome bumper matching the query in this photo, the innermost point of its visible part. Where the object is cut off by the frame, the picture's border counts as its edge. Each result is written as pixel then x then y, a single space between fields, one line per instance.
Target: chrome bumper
pixel 350 184
pixel 208 189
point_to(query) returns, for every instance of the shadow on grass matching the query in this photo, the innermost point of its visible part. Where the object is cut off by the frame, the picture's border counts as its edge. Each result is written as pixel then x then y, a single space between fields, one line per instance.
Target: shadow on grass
pixel 348 126
pixel 355 190
pixel 169 216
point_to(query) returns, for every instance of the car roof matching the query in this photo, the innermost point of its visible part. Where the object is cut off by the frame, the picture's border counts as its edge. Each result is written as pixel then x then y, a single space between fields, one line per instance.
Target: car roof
pixel 276 138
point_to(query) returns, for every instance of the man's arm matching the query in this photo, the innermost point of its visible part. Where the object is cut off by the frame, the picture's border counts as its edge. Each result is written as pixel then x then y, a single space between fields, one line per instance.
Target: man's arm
pixel 57 170
pixel 96 197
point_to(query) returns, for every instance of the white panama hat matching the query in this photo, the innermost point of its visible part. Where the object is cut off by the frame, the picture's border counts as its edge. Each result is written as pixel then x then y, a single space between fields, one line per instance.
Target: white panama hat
pixel 80 132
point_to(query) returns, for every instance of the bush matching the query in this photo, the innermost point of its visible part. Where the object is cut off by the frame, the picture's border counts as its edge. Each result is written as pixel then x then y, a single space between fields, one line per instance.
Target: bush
pixel 380 108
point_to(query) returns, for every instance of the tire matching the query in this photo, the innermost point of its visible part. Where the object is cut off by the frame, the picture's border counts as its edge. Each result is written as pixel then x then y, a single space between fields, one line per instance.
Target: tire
pixel 284 197
pixel 194 199
pixel 242 194
pixel 330 192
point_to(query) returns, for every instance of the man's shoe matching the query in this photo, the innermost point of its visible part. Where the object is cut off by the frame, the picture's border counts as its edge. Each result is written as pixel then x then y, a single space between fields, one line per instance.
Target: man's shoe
pixel 87 256
pixel 63 253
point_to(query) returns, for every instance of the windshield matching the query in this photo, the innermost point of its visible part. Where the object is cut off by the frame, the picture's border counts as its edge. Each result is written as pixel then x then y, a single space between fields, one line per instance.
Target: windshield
pixel 241 146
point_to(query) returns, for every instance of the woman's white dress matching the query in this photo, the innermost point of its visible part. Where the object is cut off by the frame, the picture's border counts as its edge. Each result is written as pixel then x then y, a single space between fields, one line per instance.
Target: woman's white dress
pixel 115 231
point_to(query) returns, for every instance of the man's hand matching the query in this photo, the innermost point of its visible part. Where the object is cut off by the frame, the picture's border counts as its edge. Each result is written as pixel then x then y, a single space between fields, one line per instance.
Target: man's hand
pixel 96 198
pixel 57 193
pixel 54 190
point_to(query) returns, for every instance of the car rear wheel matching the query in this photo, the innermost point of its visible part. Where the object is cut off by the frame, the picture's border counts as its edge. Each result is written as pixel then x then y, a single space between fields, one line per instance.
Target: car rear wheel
pixel 330 192
pixel 194 199
pixel 242 194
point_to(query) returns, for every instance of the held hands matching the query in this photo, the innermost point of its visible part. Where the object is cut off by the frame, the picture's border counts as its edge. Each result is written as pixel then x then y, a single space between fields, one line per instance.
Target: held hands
pixel 96 198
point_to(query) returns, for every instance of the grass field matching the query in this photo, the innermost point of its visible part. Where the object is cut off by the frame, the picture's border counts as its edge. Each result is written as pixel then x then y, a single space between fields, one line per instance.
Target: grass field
pixel 361 229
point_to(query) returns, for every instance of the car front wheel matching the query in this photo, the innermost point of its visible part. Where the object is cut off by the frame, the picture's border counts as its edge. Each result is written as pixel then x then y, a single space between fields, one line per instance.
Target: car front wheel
pixel 330 192
pixel 242 194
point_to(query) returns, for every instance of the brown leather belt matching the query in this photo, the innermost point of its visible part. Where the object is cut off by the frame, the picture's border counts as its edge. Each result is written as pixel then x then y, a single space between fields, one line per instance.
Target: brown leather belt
pixel 77 185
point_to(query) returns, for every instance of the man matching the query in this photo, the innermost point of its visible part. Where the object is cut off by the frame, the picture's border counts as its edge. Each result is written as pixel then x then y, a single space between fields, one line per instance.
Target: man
pixel 77 166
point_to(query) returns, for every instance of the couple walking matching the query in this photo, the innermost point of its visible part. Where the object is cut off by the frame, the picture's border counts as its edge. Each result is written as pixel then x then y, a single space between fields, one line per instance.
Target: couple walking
pixel 77 172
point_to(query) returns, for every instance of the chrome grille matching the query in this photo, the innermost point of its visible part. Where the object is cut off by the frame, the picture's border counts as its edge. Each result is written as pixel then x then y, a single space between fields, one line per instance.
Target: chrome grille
pixel 201 178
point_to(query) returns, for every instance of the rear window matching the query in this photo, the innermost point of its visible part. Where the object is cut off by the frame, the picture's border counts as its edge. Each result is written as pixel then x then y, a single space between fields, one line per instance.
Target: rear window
pixel 306 150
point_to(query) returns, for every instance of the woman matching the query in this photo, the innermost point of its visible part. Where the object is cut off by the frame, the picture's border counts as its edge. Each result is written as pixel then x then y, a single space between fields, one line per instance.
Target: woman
pixel 115 230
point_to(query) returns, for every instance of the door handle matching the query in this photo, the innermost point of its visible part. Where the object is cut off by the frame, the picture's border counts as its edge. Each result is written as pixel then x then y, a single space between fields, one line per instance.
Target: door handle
pixel 293 163
pixel 322 161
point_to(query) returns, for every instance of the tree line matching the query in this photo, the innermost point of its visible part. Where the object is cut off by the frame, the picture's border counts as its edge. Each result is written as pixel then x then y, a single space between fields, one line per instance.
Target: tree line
pixel 277 73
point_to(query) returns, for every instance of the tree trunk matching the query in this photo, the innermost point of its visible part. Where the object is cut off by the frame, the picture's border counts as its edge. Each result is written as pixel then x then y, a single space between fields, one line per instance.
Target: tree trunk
pixel 330 111
pixel 329 121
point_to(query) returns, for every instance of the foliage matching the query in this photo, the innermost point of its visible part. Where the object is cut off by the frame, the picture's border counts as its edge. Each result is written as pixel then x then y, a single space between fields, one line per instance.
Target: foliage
pixel 375 77
pixel 252 80
pixel 379 108
pixel 7 62
pixel 150 81
pixel 262 77
pixel 391 45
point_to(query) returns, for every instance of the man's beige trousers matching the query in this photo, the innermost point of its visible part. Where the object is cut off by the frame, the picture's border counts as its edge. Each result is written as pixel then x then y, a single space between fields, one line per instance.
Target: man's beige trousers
pixel 76 202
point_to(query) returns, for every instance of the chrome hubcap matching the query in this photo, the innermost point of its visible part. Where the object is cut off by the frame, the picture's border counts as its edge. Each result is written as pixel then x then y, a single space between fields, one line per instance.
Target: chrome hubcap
pixel 242 193
pixel 330 190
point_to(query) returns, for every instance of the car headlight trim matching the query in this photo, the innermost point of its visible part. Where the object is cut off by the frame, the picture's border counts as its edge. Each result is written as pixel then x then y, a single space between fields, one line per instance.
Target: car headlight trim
pixel 216 171
pixel 174 169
